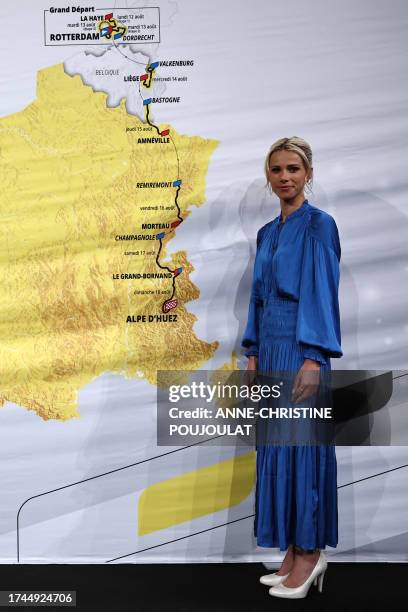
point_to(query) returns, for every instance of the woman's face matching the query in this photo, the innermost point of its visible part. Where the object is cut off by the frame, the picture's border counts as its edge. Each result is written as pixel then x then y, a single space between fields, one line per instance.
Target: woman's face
pixel 287 174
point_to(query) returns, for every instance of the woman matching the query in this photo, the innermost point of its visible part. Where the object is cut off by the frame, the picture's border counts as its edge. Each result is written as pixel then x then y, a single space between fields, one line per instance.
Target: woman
pixel 294 325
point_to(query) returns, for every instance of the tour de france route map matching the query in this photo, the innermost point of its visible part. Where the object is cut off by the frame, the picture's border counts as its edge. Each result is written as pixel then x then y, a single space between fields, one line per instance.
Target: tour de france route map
pixel 91 195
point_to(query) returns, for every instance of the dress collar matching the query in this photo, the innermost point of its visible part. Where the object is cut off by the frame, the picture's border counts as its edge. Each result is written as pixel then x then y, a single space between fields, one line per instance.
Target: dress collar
pixel 298 212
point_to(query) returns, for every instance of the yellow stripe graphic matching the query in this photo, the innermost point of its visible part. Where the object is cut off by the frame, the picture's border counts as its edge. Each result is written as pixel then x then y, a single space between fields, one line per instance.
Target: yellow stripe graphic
pixel 196 493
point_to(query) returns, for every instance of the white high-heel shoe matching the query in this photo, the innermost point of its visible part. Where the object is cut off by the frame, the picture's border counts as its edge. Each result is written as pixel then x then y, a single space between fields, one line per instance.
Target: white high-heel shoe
pixel 301 591
pixel 272 579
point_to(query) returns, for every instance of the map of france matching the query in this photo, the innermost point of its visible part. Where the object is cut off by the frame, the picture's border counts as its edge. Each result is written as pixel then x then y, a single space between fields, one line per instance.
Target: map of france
pixel 91 196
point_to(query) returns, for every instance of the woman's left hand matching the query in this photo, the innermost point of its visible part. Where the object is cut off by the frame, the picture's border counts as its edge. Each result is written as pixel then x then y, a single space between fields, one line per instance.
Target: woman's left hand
pixel 306 381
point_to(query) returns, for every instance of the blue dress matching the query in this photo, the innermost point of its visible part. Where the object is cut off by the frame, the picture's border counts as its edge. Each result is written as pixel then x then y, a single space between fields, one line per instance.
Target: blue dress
pixel 294 314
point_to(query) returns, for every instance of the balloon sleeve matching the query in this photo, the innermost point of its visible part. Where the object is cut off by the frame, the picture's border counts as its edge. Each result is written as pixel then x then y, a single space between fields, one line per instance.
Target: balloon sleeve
pixel 250 339
pixel 318 324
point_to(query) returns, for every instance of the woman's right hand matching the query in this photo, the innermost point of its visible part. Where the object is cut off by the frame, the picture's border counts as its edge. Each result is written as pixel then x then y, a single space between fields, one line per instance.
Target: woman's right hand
pixel 250 372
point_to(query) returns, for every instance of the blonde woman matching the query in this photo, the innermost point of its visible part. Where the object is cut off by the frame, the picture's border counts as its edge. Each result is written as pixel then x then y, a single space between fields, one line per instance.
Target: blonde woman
pixel 294 325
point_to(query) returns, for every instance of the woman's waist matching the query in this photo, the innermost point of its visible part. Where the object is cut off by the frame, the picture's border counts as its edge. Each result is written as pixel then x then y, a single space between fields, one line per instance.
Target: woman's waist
pixel 278 300
pixel 279 318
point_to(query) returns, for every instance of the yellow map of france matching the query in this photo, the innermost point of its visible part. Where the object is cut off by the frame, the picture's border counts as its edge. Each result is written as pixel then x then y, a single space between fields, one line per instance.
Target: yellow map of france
pixel 77 297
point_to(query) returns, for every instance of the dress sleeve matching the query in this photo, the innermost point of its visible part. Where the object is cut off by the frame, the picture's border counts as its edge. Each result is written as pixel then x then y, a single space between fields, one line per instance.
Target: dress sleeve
pixel 318 324
pixel 250 339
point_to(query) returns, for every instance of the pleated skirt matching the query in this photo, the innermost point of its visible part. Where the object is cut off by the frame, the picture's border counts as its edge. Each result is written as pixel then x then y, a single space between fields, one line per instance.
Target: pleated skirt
pixel 296 485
